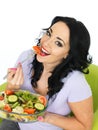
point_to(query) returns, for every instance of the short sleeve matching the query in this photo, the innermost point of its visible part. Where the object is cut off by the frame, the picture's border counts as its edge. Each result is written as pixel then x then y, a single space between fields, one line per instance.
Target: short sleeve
pixel 79 88
pixel 23 56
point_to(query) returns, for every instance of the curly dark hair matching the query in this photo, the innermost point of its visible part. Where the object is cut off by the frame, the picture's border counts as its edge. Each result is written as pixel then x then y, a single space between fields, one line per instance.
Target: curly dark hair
pixel 77 59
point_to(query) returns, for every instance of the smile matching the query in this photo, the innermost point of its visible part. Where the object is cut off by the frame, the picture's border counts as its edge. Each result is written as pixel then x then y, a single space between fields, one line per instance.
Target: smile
pixel 44 52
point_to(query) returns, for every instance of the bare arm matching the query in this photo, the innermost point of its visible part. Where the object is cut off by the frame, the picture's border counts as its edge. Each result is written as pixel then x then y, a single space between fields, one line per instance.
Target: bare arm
pixel 82 119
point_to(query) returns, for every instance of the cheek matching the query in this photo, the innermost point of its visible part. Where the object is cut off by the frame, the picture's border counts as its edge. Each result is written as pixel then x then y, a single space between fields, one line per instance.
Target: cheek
pixel 43 39
pixel 59 53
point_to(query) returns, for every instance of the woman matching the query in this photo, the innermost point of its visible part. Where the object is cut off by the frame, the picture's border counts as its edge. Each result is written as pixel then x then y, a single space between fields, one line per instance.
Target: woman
pixel 58 72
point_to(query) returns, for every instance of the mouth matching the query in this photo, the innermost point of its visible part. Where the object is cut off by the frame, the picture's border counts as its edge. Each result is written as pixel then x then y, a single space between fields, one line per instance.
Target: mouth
pixel 44 52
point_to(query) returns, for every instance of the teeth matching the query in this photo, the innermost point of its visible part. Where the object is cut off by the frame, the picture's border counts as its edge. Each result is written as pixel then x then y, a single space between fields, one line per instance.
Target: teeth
pixel 45 51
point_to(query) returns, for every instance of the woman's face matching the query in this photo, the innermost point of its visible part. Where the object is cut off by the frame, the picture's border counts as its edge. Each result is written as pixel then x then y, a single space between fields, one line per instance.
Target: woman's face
pixel 54 44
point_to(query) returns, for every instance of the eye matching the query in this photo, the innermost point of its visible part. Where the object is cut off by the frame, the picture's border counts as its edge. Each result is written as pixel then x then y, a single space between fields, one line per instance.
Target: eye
pixel 48 33
pixel 58 43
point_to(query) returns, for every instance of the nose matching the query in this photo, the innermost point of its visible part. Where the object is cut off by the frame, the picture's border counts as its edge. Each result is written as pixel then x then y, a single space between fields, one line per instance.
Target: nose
pixel 47 42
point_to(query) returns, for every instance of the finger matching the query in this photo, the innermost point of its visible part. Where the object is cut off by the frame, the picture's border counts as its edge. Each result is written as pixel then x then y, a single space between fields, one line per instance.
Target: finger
pixel 18 78
pixel 10 75
pixel 17 73
pixel 11 69
pixel 11 72
pixel 40 118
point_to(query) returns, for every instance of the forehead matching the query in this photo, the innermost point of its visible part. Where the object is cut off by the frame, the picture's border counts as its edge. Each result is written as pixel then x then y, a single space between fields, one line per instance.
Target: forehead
pixel 60 29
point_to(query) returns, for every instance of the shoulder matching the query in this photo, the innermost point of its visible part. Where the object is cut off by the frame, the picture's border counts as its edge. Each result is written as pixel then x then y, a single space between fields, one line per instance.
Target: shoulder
pixel 78 87
pixel 24 55
pixel 75 79
pixel 74 76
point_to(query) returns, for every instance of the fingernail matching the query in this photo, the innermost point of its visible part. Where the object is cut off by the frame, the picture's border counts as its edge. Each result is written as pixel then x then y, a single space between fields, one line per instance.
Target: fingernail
pixel 40 118
pixel 13 68
pixel 19 64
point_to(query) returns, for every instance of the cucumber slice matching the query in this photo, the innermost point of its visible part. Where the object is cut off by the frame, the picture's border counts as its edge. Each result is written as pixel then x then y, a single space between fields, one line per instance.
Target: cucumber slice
pixel 21 99
pixel 39 106
pixel 15 104
pixel 12 98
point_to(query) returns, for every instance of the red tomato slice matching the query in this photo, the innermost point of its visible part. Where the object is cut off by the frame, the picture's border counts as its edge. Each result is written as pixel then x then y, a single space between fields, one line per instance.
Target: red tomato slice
pixel 37 49
pixel 7 108
pixel 9 92
pixel 1 97
pixel 29 110
pixel 43 100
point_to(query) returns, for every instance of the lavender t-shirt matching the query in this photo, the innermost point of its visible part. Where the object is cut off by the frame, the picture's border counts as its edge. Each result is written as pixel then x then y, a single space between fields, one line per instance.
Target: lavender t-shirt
pixel 75 89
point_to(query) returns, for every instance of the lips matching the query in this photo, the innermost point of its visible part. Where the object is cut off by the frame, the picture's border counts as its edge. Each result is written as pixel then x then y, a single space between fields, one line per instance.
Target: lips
pixel 44 52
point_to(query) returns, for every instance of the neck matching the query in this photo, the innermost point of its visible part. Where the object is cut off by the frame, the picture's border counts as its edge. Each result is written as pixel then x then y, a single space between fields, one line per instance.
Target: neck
pixel 49 67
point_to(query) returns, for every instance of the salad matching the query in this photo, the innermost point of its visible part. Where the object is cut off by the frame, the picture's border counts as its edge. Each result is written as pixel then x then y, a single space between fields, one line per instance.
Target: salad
pixel 21 105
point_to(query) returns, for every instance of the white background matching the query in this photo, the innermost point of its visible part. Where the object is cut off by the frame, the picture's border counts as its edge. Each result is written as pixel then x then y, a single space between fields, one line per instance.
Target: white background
pixel 22 20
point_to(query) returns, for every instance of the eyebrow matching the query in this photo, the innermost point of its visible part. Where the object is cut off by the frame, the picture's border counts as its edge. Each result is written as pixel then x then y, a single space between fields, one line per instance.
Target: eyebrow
pixel 60 39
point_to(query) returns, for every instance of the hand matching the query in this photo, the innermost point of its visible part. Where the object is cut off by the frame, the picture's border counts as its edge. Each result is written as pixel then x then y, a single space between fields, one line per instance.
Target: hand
pixel 15 77
pixel 47 117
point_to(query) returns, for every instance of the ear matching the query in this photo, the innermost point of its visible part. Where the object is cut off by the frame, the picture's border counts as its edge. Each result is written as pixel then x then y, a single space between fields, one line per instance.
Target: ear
pixel 65 56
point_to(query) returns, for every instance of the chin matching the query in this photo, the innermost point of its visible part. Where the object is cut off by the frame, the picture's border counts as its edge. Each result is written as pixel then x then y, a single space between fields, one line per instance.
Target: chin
pixel 39 59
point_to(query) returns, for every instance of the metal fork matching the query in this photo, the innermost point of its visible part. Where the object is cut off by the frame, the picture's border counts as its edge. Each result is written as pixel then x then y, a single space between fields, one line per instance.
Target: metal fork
pixel 22 62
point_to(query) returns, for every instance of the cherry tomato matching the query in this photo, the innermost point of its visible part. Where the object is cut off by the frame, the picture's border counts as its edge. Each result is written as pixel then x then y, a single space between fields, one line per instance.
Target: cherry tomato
pixel 37 49
pixel 43 100
pixel 1 97
pixel 9 92
pixel 7 108
pixel 29 110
